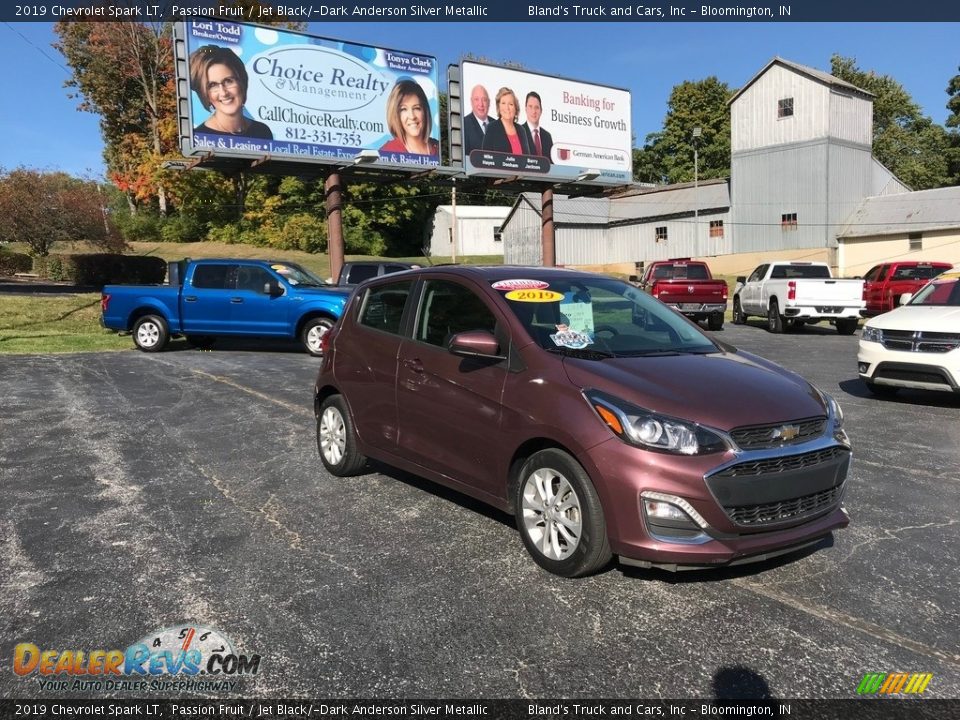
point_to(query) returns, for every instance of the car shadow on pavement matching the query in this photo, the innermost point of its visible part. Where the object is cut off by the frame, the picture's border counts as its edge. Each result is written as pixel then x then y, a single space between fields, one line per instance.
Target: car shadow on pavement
pixel 904 396
pixel 822 328
pixel 229 344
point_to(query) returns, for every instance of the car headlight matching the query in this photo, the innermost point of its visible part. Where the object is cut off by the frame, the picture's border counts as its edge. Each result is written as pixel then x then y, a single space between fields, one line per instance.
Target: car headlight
pixel 651 430
pixel 834 411
pixel 871 334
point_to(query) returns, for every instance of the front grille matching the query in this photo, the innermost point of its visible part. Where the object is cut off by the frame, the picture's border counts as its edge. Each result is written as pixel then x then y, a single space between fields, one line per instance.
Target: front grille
pixel 787 509
pixel 770 436
pixel 910 341
pixel 776 465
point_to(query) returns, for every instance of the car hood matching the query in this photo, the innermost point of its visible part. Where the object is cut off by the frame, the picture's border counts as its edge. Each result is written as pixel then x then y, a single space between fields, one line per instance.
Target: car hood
pixel 721 390
pixel 937 318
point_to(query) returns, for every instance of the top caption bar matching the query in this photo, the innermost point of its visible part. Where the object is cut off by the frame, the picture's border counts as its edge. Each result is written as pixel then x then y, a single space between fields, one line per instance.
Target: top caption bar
pixel 491 11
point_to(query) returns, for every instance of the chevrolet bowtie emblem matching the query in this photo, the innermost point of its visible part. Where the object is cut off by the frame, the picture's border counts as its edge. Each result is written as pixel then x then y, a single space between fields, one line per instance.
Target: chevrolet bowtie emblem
pixel 787 432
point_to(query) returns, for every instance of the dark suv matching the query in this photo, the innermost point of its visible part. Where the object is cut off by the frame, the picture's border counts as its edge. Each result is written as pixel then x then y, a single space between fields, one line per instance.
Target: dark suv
pixel 603 420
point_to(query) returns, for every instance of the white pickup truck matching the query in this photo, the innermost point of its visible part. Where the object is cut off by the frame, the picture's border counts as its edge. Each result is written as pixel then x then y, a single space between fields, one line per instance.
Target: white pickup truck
pixel 796 293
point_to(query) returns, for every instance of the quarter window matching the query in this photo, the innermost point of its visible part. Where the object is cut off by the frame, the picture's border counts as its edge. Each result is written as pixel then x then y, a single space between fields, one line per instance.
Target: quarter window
pixel 383 305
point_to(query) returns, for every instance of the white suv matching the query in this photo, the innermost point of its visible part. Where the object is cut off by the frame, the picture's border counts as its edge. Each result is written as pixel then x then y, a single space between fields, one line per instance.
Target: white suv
pixel 918 344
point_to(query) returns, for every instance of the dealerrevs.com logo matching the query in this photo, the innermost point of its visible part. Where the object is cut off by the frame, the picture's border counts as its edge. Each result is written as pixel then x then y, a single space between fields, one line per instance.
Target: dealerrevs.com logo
pixel 198 659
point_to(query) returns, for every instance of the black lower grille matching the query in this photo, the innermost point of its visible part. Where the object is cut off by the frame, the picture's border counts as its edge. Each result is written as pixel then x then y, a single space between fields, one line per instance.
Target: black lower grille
pixel 924 376
pixel 785 510
pixel 783 464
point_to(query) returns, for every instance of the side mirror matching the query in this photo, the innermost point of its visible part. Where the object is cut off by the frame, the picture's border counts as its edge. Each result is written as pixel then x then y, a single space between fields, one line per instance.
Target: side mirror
pixel 905 298
pixel 742 279
pixel 476 343
pixel 272 289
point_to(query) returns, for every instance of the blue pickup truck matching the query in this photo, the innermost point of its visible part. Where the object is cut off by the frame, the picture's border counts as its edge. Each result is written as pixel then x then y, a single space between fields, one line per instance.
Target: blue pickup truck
pixel 205 299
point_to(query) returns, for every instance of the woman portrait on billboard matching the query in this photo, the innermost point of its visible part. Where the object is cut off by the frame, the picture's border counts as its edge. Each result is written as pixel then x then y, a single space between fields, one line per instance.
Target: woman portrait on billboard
pixel 220 80
pixel 408 117
pixel 506 134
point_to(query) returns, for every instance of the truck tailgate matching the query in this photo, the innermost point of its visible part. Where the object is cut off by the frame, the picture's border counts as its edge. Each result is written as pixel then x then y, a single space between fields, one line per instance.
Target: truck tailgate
pixel 835 292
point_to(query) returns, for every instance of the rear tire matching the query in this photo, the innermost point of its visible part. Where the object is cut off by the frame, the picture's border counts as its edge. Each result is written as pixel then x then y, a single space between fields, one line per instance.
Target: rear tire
pixel 311 336
pixel 774 318
pixel 559 516
pixel 151 333
pixel 847 326
pixel 715 321
pixel 337 439
pixel 739 317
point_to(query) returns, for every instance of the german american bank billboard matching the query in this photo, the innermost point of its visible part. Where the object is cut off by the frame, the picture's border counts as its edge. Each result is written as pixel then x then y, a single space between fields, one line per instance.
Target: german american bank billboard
pixel 532 125
pixel 256 91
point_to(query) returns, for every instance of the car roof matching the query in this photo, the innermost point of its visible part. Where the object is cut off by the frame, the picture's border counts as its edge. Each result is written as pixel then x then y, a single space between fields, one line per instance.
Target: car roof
pixel 492 273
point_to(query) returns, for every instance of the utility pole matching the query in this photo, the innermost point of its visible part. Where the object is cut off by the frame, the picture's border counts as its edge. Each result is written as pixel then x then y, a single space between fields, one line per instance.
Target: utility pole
pixel 453 226
pixel 697 132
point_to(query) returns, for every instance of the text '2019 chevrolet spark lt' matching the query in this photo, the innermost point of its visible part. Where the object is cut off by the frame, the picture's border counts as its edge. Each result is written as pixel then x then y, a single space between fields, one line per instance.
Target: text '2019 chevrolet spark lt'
pixel 604 421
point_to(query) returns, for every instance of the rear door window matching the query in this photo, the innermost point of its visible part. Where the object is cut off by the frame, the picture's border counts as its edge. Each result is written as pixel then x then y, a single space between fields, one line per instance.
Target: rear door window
pixel 449 308
pixel 215 277
pixel 359 273
pixel 383 305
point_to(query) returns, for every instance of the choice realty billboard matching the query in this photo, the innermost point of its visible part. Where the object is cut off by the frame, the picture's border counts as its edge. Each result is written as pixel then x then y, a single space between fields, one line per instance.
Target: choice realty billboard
pixel 532 125
pixel 254 91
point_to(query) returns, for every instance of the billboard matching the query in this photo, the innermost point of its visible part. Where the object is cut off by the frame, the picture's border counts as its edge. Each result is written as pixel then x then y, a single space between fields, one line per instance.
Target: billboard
pixel 256 91
pixel 541 126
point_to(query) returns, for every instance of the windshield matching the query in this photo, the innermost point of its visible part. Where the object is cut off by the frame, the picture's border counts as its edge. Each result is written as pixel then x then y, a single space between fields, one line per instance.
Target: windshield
pixel 296 275
pixel 603 316
pixel 944 292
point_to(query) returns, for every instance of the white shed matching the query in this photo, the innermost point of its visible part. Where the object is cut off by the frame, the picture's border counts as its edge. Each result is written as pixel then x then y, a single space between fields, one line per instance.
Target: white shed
pixel 478 230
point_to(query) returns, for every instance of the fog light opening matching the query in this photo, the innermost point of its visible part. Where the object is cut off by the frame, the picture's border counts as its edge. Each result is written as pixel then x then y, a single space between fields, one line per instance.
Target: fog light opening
pixel 863 368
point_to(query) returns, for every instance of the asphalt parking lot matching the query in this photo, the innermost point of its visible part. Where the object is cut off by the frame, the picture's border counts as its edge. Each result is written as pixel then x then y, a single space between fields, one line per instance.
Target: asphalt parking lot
pixel 140 492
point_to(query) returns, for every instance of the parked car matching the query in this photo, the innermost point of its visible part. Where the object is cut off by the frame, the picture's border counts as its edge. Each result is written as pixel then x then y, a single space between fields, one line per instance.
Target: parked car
pixel 796 293
pixel 355 272
pixel 885 285
pixel 206 299
pixel 688 286
pixel 604 421
pixel 918 344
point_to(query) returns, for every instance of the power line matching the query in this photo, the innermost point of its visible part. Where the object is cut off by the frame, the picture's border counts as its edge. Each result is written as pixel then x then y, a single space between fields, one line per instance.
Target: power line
pixel 35 47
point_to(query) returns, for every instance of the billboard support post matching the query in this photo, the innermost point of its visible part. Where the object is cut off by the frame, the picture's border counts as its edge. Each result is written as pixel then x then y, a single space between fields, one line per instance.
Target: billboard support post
pixel 548 242
pixel 334 196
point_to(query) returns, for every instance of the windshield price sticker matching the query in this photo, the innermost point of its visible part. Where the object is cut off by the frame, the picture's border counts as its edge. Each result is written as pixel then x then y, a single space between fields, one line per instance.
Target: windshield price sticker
pixel 534 296
pixel 520 285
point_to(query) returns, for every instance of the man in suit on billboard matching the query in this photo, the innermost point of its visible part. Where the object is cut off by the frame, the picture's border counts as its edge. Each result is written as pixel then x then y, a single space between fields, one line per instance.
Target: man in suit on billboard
pixel 475 124
pixel 540 140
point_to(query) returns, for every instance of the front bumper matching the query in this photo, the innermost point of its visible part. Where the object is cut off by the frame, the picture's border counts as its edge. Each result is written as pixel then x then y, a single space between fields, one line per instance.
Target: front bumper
pixel 753 504
pixel 917 370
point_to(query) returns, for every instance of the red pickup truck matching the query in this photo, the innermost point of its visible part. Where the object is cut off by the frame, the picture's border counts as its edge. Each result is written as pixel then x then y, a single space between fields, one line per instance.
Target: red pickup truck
pixel 688 286
pixel 884 284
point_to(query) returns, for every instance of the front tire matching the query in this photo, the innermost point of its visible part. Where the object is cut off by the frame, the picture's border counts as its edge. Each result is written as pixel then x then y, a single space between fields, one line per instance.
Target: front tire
pixel 774 318
pixel 337 439
pixel 151 333
pixel 311 335
pixel 739 317
pixel 559 515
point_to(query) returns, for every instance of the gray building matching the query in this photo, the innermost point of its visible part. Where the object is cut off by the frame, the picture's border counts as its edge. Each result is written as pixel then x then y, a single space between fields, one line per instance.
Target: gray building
pixel 803 184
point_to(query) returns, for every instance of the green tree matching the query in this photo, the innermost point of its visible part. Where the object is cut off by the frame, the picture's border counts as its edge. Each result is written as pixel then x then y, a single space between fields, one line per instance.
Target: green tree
pixel 906 142
pixel 668 156
pixel 41 208
pixel 953 122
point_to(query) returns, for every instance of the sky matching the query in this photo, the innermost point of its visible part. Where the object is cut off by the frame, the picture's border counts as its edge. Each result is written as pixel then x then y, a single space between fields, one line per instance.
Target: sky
pixel 40 126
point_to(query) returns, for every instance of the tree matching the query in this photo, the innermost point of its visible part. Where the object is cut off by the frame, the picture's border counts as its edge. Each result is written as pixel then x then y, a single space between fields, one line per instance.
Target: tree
pixel 953 122
pixel 40 209
pixel 668 156
pixel 907 143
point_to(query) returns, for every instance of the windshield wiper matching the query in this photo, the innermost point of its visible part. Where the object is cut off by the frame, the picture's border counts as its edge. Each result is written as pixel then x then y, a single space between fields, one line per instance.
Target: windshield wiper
pixel 671 352
pixel 582 353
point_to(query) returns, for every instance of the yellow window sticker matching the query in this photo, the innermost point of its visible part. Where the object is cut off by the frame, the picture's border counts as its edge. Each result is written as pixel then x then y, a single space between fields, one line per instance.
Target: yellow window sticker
pixel 534 296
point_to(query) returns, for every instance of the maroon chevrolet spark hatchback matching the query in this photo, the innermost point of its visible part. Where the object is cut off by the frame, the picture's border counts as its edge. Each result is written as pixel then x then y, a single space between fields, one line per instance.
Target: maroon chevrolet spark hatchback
pixel 604 421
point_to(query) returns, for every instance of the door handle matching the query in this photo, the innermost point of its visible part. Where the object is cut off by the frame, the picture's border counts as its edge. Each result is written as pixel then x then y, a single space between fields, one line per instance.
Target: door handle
pixel 236 300
pixel 190 298
pixel 414 366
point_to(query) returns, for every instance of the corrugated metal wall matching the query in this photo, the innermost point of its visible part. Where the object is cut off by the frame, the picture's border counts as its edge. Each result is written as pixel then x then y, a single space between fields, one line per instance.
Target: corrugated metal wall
pixel 850 181
pixel 774 182
pixel 521 237
pixel 753 116
pixel 851 118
